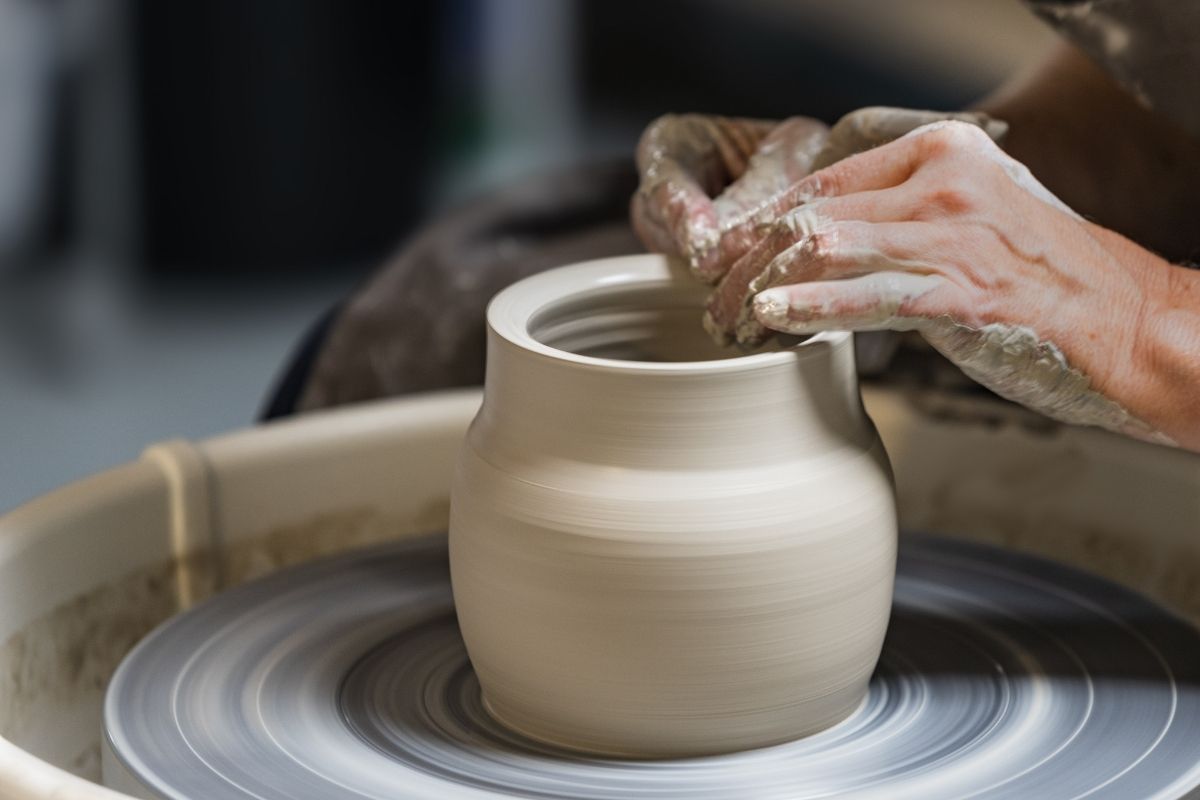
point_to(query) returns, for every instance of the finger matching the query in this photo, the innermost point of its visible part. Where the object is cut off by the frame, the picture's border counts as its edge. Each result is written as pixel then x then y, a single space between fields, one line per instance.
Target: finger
pixel 897 301
pixel 815 259
pixel 858 131
pixel 914 200
pixel 782 158
pixel 886 167
pixel 742 233
pixel 684 160
pixel 649 230
pixel 725 304
pixel 840 251
pixel 826 250
pixel 892 164
pixel 870 127
pixel 710 151
pixel 908 201
pixel 851 188
pixel 677 218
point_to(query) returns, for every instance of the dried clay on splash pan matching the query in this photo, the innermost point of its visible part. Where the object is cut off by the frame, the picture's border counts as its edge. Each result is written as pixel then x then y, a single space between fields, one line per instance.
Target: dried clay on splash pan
pixel 660 547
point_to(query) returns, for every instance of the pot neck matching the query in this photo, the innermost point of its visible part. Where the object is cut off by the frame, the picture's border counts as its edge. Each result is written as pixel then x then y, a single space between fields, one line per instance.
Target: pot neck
pixel 750 411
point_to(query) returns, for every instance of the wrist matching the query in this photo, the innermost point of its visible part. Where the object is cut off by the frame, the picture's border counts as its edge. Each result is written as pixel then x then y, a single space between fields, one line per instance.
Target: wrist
pixel 1166 355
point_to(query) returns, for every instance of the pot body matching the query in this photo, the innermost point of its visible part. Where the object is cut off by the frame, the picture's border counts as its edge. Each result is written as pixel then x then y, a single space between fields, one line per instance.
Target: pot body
pixel 654 556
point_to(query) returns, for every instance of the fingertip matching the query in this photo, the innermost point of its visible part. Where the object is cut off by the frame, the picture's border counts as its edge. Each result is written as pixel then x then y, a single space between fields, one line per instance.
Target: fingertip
pixel 771 307
pixel 778 310
pixel 771 300
pixel 703 263
pixel 717 333
pixel 749 331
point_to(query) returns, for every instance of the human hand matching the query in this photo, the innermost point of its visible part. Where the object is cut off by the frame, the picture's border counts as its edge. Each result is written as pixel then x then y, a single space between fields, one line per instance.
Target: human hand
pixel 709 185
pixel 704 180
pixel 943 233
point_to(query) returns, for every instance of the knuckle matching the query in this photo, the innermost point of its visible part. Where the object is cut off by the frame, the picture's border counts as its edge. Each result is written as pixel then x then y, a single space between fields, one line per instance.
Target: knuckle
pixel 823 183
pixel 946 200
pixel 785 225
pixel 792 262
pixel 936 304
pixel 952 136
pixel 666 133
pixel 960 133
pixel 780 270
pixel 822 245
pixel 798 223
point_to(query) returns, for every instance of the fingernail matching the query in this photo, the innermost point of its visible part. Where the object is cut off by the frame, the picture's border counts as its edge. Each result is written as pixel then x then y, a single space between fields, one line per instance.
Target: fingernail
pixel 771 303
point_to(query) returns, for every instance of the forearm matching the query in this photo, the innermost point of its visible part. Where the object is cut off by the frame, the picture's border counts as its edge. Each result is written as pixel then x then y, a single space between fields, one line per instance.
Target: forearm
pixel 1102 153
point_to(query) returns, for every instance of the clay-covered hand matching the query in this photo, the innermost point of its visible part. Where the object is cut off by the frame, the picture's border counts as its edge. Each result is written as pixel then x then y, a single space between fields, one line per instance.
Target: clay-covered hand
pixel 704 181
pixel 710 184
pixel 943 233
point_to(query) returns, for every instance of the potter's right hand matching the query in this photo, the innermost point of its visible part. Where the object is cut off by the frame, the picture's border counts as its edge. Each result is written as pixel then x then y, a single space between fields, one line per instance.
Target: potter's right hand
pixel 710 186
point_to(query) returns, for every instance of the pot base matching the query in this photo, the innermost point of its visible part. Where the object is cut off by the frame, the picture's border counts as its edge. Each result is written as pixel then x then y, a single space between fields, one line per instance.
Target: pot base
pixel 1003 676
pixel 676 745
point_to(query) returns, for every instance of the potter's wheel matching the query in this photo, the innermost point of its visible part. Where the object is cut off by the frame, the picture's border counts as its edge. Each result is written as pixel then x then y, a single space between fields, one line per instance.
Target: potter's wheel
pixel 1002 676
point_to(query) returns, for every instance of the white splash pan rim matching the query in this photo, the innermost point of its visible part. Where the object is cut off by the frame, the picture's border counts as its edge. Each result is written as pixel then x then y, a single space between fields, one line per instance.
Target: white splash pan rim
pixel 512 311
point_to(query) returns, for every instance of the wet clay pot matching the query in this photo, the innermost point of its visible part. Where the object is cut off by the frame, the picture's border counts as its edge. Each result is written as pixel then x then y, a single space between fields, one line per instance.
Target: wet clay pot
pixel 660 547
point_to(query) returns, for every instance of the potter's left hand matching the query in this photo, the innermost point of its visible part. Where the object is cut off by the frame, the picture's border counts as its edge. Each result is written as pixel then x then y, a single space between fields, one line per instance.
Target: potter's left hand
pixel 943 233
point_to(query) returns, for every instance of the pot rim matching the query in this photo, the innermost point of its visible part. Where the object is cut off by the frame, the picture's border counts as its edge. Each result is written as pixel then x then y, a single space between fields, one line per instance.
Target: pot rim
pixel 511 311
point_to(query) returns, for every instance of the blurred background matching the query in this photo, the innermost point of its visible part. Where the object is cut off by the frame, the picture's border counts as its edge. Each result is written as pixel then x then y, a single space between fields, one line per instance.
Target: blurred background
pixel 186 185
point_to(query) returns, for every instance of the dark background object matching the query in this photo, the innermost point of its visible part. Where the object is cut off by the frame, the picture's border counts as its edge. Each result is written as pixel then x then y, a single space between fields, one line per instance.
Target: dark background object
pixel 640 59
pixel 282 134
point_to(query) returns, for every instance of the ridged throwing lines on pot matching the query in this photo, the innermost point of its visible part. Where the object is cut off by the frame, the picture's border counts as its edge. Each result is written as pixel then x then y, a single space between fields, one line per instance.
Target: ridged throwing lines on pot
pixel 693 547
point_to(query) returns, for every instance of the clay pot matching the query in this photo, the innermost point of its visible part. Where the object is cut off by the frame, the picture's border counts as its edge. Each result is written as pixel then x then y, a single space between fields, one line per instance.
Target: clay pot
pixel 659 547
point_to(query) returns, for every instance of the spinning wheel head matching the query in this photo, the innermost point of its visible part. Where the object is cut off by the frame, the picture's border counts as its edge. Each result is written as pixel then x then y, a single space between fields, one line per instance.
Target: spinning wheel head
pixel 1002 676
